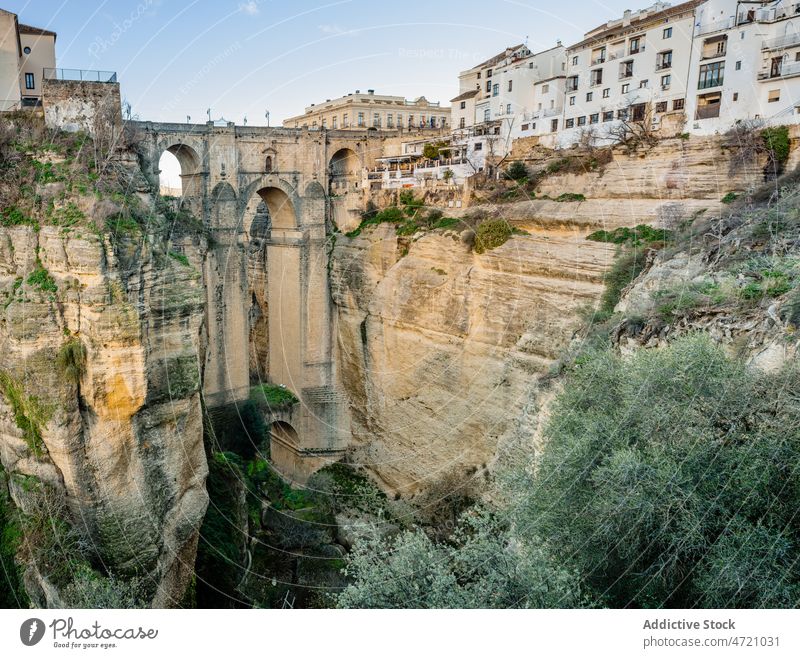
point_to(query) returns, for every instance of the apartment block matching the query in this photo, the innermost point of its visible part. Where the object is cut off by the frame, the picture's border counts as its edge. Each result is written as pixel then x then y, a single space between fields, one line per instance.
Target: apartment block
pixel 632 68
pixel 359 111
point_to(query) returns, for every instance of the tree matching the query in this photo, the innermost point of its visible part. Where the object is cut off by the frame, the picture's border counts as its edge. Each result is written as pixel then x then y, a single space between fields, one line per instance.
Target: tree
pixel 481 567
pixel 670 480
pixel 634 127
pixel 516 171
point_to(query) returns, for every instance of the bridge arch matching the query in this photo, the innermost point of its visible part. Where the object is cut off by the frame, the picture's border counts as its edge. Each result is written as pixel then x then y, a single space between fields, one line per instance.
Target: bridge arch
pixel 344 162
pixel 189 165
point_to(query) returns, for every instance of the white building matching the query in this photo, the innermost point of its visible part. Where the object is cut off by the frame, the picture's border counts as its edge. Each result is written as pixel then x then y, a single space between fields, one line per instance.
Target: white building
pixel 25 53
pixel 745 64
pixel 513 94
pixel 636 66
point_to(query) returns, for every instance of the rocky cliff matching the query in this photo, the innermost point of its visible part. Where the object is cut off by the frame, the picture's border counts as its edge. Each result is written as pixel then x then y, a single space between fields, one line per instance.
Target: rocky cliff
pixel 100 419
pixel 441 349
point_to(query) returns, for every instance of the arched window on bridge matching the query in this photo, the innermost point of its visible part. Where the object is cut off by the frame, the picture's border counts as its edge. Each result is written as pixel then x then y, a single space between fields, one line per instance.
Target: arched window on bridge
pixel 169 180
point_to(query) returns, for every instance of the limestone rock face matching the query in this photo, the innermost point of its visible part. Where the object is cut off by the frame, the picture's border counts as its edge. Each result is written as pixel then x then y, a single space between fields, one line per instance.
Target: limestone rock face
pixel 438 348
pixel 122 442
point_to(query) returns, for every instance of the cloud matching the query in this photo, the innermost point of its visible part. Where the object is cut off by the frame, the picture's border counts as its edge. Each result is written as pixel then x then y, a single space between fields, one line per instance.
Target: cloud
pixel 250 8
pixel 335 30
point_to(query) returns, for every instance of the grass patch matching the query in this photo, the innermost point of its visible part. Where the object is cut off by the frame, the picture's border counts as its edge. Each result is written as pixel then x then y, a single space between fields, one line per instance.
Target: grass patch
pixel 639 235
pixel 272 395
pixel 569 197
pixel 71 360
pixel 730 197
pixel 30 414
pixel 181 258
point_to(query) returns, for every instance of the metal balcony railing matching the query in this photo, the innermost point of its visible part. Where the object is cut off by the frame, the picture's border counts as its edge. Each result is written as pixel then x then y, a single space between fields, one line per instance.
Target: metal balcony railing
pixel 80 75
pixel 716 26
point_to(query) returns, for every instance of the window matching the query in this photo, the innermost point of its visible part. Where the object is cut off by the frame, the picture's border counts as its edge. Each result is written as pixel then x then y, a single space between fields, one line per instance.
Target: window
pixel 664 60
pixel 738 65
pixel 741 35
pixel 572 83
pixel 463 105
pixel 462 122
pixel 606 93
pixel 346 120
pixel 661 107
pixel 608 116
pixel 678 104
pixel 334 122
pixel 360 119
pixel 554 125
pixel 525 126
pixel 410 120
pixel 644 84
pixel 666 81
pixel 581 121
pixel 622 114
pixel 545 89
pixel 495 90
pixel 570 123
pixel 626 69
pixel 667 33
pixel 508 108
pixel 589 96
pixel 635 45
pixel 390 120
pixel 639 111
pixel 711 75
pixel 510 84
pixel 774 96
pixel 489 73
pixel 478 146
pixel 572 100
pixel 575 60
pixel 399 120
pixel 596 77
pixel 27 50
pixel 488 86
pixel 29 81
pixel 486 114
pixel 626 88
pixel 479 75
pixel 594 118
pixel 376 120
pixel 735 96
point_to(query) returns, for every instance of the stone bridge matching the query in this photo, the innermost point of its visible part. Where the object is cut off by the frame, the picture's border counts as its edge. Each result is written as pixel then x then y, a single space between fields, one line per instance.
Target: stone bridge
pixel 269 197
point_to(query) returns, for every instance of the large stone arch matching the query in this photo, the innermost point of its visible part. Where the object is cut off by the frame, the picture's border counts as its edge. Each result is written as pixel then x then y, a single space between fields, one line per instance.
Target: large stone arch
pixel 345 162
pixel 190 161
pixel 281 200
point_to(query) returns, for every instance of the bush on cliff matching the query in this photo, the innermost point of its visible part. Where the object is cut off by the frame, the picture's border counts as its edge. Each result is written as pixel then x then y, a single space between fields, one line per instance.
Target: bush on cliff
pixel 491 233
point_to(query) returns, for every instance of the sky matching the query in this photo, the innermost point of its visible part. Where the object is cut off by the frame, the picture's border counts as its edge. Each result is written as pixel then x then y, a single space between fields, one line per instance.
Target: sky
pixel 244 58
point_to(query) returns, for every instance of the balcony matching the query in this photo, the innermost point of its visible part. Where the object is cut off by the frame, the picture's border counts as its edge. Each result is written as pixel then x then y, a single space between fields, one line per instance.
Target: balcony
pixel 787 70
pixel 626 75
pixel 779 43
pixel 636 51
pixel 616 55
pixel 664 66
pixel 716 26
pixel 79 75
pixel 598 60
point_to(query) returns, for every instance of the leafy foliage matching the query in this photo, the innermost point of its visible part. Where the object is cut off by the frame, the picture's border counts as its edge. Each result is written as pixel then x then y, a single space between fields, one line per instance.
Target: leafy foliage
pixel 272 395
pixel 71 360
pixel 641 234
pixel 30 414
pixel 516 171
pixel 627 267
pixel 91 590
pixel 480 568
pixel 491 233
pixel 40 278
pixel 670 480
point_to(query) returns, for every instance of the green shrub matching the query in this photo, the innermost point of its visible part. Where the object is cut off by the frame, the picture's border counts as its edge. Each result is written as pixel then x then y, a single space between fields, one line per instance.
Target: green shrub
pixel 777 143
pixel 13 216
pixel 730 197
pixel 71 360
pixel 40 278
pixel 491 233
pixel 568 197
pixel 67 216
pixel 12 592
pixel 516 171
pixel 92 590
pixel 641 234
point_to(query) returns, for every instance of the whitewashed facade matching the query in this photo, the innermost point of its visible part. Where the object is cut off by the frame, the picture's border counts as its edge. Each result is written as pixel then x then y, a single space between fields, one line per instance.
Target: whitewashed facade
pixel 636 66
pixel 745 65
